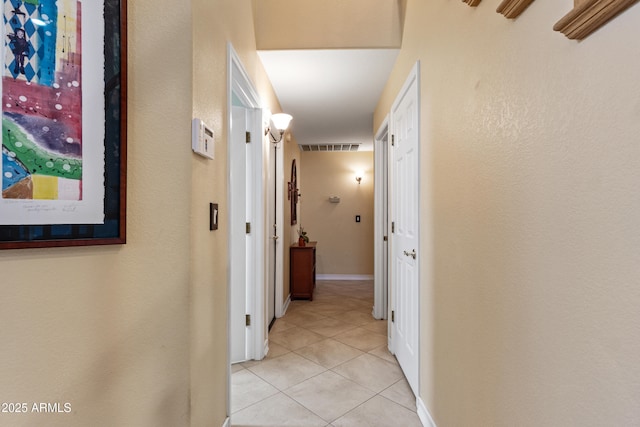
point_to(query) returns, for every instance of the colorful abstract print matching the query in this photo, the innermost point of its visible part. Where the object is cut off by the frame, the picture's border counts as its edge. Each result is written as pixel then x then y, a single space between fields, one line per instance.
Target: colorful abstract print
pixel 42 100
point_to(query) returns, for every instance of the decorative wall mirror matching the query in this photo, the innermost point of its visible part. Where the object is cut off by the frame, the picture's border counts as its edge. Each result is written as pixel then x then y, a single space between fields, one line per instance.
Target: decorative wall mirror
pixel 294 193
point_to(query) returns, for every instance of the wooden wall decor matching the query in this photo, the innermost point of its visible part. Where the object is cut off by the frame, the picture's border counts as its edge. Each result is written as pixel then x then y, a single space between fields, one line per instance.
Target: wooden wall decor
pixel 513 8
pixel 472 3
pixel 589 15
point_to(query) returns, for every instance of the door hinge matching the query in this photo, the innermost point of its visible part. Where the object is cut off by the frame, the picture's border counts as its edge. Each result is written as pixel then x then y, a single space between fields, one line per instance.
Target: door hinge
pixel 393 140
pixel 393 227
pixel 385 238
pixel 248 227
pixel 248 137
pixel 247 319
pixel 393 316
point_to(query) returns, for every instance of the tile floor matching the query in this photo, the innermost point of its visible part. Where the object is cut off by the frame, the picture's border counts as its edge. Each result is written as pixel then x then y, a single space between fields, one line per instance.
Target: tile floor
pixel 328 366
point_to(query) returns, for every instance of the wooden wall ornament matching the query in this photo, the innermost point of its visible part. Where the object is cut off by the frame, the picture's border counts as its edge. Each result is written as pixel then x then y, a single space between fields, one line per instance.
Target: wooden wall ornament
pixel 589 15
pixel 472 3
pixel 294 193
pixel 513 8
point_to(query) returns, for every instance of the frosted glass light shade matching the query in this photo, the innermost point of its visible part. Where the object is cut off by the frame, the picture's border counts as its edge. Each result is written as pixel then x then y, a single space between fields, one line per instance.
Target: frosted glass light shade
pixel 281 121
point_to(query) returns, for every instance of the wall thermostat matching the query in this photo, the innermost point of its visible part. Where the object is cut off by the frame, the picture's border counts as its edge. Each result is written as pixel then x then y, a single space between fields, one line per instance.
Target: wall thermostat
pixel 202 139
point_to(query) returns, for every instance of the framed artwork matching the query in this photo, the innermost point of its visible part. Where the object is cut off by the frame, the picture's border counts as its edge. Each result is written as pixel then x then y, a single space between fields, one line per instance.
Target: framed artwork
pixel 64 118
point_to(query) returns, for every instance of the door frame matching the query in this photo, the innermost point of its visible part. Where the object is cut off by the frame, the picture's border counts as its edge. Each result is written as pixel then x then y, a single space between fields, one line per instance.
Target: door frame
pixel 279 201
pixel 274 181
pixel 381 221
pixel 239 83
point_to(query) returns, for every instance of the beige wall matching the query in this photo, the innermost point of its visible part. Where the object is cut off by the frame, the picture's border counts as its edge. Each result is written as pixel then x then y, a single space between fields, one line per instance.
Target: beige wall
pixel 329 24
pixel 107 328
pixel 214 24
pixel 137 334
pixel 344 246
pixel 530 166
pixel 529 298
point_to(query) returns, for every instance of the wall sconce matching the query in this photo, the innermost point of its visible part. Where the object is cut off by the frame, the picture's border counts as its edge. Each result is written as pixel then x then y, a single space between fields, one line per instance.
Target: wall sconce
pixel 279 123
pixel 359 177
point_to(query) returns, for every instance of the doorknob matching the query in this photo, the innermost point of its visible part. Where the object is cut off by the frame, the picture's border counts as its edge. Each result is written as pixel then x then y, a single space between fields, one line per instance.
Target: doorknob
pixel 412 254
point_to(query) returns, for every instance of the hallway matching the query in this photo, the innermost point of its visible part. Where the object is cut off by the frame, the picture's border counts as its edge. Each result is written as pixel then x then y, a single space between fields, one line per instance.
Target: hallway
pixel 328 365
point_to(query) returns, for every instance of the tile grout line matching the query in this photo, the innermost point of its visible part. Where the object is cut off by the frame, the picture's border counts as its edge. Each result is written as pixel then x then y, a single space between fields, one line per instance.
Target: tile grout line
pixel 361 303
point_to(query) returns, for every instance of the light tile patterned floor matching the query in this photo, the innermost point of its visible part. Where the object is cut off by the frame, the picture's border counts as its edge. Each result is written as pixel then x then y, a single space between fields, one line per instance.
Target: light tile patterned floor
pixel 328 366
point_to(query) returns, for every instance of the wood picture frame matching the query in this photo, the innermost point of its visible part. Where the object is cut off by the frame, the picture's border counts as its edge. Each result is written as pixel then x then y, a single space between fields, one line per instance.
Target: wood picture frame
pixel 110 95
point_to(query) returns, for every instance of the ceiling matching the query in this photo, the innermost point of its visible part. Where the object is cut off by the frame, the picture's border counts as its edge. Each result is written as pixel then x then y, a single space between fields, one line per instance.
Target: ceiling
pixel 331 94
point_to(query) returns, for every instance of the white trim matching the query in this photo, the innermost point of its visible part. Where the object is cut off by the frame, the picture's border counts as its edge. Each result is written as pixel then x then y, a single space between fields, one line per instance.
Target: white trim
pixel 272 251
pixel 227 422
pixel 425 417
pixel 265 348
pixel 285 306
pixel 344 277
pixel 381 267
pixel 280 248
pixel 256 154
pixel 239 83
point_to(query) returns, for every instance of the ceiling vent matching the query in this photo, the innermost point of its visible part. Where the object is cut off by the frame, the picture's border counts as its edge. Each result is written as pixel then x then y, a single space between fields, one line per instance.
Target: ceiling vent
pixel 330 147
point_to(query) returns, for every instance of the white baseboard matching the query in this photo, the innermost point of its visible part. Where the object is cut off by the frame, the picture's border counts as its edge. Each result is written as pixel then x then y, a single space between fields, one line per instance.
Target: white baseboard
pixel 227 422
pixel 265 348
pixel 423 414
pixel 344 277
pixel 285 306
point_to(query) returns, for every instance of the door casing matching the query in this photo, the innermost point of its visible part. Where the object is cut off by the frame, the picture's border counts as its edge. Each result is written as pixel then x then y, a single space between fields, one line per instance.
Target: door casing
pixel 239 85
pixel 381 221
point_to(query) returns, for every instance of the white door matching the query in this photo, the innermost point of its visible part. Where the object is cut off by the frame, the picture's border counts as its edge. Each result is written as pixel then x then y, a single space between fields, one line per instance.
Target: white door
pixel 238 237
pixel 405 223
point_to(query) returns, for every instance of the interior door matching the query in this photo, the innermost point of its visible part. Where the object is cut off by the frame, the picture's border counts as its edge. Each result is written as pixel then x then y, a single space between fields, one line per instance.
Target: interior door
pixel 405 216
pixel 238 236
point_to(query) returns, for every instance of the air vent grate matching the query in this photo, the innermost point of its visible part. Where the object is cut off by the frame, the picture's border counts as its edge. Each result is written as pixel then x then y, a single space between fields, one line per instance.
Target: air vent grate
pixel 330 147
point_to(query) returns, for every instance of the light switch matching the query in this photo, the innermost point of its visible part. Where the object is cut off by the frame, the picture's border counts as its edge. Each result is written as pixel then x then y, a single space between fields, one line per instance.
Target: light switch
pixel 357 218
pixel 213 216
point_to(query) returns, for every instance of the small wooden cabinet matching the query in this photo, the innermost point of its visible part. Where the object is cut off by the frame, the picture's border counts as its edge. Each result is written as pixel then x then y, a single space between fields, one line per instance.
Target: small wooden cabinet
pixel 302 270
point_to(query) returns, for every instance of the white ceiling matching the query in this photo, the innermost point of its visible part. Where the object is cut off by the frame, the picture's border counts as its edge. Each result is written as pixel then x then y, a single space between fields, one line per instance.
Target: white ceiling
pixel 331 94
